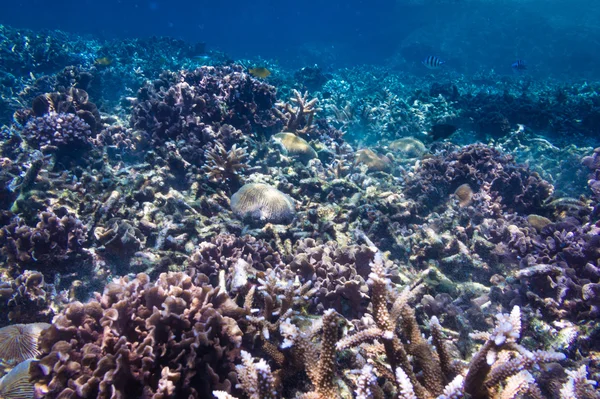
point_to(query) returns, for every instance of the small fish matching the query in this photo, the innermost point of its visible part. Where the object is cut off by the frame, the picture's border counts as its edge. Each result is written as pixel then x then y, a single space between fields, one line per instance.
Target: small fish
pixel 519 65
pixel 259 72
pixel 201 58
pixel 433 62
pixel 104 61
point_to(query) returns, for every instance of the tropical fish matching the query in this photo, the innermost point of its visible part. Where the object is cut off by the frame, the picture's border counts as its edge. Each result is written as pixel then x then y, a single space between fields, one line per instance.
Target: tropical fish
pixel 433 62
pixel 259 72
pixel 519 65
pixel 104 61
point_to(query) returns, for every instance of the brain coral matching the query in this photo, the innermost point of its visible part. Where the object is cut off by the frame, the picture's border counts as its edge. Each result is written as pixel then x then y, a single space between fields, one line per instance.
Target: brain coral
pixel 261 203
pixel 176 337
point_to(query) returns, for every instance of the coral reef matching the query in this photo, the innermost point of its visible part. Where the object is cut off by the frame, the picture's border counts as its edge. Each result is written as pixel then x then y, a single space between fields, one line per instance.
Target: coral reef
pixel 321 233
pixel 176 336
pixel 179 106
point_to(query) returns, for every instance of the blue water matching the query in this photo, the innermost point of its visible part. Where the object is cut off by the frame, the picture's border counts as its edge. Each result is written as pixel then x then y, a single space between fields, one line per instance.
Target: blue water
pixel 555 37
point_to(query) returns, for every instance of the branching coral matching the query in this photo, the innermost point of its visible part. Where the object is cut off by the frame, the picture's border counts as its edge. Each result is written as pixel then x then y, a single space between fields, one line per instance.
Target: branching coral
pixel 298 117
pixel 226 165
pixel 172 338
pixel 499 369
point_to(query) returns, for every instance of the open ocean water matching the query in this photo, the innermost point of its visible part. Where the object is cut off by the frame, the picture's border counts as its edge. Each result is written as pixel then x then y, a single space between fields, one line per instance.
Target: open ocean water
pixel 273 199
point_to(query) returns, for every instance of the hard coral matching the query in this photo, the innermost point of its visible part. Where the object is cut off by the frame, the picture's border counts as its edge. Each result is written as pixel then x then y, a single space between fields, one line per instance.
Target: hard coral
pixel 176 337
pixel 226 166
pixel 294 146
pixel 515 187
pixel 240 257
pixel 373 161
pixel 19 342
pixel 53 244
pixel 72 101
pixel 28 298
pixel 337 274
pixel 179 104
pixel 261 203
pixel 58 132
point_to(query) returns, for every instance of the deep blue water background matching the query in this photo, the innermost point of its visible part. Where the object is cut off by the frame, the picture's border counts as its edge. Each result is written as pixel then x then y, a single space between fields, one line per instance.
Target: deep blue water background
pixel 555 37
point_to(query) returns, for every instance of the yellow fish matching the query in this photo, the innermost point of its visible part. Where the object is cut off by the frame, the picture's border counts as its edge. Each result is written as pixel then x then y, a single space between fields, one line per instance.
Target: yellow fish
pixel 259 72
pixel 104 61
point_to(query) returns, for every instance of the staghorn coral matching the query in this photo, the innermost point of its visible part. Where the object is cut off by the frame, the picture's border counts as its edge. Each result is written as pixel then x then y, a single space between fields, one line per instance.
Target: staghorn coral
pixel 261 203
pixel 175 337
pixel 226 166
pixel 501 368
pixel 298 116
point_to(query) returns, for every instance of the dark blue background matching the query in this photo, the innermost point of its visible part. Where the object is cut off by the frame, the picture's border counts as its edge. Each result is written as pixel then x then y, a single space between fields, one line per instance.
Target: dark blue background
pixel 553 36
pixel 369 30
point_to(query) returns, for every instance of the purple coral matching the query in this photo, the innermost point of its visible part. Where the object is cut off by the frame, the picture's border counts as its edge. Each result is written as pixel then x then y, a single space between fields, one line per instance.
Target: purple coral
pixel 181 104
pixel 176 337
pixel 58 131
pixel 55 242
pixel 515 187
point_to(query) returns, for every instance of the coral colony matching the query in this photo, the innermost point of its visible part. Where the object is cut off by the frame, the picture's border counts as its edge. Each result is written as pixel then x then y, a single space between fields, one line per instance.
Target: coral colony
pixel 175 231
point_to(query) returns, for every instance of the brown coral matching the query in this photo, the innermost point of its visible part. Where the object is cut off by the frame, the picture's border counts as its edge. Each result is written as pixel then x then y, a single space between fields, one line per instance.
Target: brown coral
pixel 19 342
pixel 176 337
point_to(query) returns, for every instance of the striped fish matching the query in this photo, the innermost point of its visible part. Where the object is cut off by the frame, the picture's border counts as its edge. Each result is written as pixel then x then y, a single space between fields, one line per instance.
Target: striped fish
pixel 519 65
pixel 433 62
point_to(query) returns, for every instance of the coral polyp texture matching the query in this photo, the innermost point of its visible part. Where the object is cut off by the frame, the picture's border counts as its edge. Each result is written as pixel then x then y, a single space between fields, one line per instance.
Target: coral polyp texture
pixel 261 203
pixel 174 224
